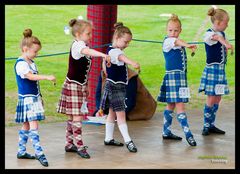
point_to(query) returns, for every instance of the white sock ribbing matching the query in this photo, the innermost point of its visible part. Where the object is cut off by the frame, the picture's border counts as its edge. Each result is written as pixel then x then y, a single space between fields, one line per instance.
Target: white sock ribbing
pixel 124 131
pixel 109 129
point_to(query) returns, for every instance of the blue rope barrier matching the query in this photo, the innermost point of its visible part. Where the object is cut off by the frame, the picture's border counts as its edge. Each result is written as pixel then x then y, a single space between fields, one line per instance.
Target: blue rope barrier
pixel 104 45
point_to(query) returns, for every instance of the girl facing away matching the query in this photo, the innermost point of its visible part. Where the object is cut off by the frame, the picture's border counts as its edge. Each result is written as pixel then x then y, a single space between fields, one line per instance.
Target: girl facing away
pixel 30 105
pixel 115 87
pixel 174 90
pixel 73 100
pixel 213 80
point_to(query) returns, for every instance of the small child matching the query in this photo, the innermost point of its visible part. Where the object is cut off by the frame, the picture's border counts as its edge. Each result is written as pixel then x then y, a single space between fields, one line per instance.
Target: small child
pixel 174 90
pixel 73 101
pixel 213 81
pixel 29 107
pixel 115 87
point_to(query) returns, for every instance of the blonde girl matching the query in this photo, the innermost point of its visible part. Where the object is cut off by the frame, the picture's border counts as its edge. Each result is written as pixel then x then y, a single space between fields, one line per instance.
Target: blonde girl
pixel 213 80
pixel 29 107
pixel 115 87
pixel 73 100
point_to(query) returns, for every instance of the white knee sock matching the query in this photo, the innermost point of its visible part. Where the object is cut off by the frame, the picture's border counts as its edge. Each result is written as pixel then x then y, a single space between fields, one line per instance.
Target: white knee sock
pixel 109 129
pixel 124 131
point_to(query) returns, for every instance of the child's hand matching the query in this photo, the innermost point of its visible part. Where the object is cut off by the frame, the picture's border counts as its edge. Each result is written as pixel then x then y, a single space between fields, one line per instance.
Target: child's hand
pixel 193 47
pixel 105 73
pixel 136 65
pixel 108 59
pixel 229 46
pixel 52 78
pixel 100 113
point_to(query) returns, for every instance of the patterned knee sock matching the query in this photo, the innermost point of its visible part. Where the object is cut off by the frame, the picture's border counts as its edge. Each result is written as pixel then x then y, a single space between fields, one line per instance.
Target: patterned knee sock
pixel 23 138
pixel 214 111
pixel 167 121
pixel 69 134
pixel 34 135
pixel 207 116
pixel 77 133
pixel 182 119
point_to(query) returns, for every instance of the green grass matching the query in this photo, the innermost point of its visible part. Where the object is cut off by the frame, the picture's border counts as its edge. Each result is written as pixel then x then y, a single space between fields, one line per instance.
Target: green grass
pixel 47 22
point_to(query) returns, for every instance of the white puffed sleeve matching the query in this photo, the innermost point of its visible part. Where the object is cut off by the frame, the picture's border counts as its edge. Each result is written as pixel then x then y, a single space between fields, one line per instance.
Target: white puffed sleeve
pixel 114 54
pixel 169 44
pixel 22 68
pixel 76 49
pixel 208 37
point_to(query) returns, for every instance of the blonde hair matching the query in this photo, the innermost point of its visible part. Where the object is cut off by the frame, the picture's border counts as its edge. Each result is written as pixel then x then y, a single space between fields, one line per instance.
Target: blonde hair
pixel 79 25
pixel 28 39
pixel 217 14
pixel 174 18
pixel 120 30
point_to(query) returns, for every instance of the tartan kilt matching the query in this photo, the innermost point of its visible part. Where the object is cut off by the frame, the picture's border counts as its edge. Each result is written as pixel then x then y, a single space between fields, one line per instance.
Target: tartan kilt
pixel 114 97
pixel 72 97
pixel 29 109
pixel 211 76
pixel 169 90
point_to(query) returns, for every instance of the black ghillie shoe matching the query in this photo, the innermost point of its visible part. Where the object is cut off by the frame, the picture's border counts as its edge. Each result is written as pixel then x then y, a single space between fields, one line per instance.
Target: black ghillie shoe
pixel 113 143
pixel 83 152
pixel 25 156
pixel 171 136
pixel 191 141
pixel 205 131
pixel 131 146
pixel 216 130
pixel 72 149
pixel 42 159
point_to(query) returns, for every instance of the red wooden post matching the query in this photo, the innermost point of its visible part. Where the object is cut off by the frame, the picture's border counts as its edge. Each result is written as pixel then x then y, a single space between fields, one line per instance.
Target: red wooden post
pixel 103 18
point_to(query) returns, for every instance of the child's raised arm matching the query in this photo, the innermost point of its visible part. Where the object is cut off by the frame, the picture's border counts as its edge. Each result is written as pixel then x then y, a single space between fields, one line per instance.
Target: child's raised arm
pixel 129 61
pixel 223 41
pixel 180 42
pixel 95 53
pixel 36 77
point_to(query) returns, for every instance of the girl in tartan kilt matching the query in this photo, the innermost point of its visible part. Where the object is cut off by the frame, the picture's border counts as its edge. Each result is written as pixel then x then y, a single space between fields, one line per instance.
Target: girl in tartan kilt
pixel 213 80
pixel 174 89
pixel 73 100
pixel 30 105
pixel 115 87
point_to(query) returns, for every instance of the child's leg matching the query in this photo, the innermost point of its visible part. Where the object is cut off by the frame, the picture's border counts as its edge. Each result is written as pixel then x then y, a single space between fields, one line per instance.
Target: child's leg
pixel 109 130
pixel 214 109
pixel 110 123
pixel 39 155
pixel 214 101
pixel 69 146
pixel 167 122
pixel 77 134
pixel 22 141
pixel 182 119
pixel 122 125
pixel 167 118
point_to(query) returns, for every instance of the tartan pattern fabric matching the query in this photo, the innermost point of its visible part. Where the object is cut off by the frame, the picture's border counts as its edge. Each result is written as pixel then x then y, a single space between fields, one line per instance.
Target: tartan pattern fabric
pixel 69 134
pixel 207 116
pixel 210 115
pixel 114 96
pixel 72 97
pixel 182 119
pixel 34 135
pixel 169 90
pixel 29 109
pixel 103 18
pixel 167 122
pixel 22 141
pixel 214 111
pixel 211 76
pixel 77 134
